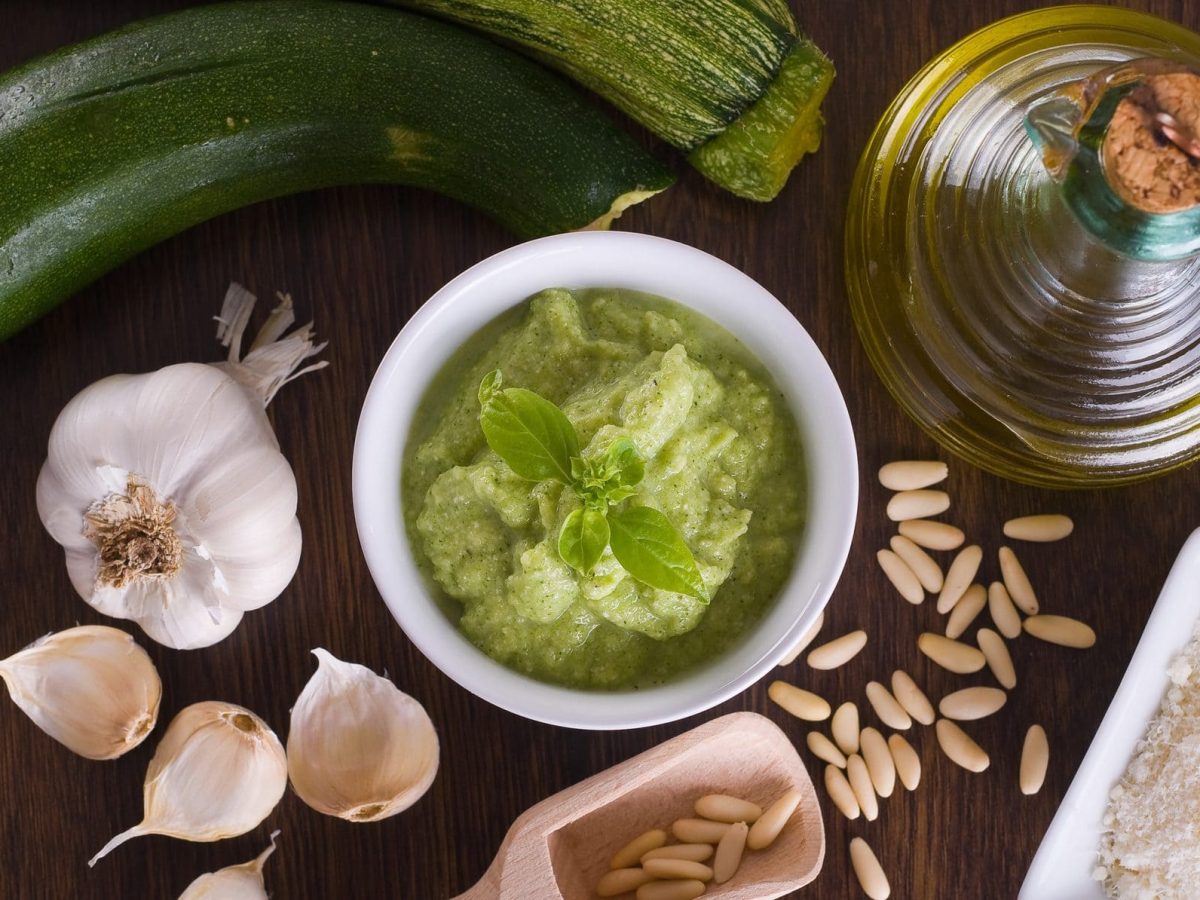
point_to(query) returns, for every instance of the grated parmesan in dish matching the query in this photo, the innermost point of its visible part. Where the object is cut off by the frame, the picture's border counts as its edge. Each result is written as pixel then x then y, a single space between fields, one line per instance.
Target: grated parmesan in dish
pixel 1150 847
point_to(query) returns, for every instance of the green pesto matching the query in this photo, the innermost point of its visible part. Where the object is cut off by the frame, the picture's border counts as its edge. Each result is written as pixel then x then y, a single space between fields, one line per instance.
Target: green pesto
pixel 723 462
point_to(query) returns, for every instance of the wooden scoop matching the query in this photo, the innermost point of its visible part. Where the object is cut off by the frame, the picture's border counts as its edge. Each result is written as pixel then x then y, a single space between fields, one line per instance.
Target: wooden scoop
pixel 560 847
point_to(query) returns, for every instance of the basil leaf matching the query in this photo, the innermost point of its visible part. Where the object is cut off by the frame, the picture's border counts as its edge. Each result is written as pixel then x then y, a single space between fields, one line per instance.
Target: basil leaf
pixel 583 538
pixel 649 548
pixel 527 431
pixel 624 462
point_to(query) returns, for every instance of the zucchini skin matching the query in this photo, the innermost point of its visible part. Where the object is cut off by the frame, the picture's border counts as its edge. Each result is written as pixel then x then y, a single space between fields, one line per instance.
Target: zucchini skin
pixel 117 143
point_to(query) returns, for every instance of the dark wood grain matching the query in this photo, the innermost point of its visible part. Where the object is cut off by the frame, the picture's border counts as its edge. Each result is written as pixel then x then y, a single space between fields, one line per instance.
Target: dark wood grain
pixel 360 261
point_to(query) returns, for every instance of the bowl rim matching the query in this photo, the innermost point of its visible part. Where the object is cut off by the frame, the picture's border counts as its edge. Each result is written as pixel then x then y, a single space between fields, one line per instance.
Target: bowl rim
pixel 698 281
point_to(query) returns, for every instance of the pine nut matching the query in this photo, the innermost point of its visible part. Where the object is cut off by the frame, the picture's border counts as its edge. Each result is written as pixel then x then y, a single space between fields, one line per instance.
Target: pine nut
pixel 890 712
pixel 954 656
pixel 767 828
pixel 908 764
pixel 860 783
pixel 928 572
pixel 867 870
pixel 917 505
pixel 845 727
pixel 957 745
pixel 1061 630
pixel 800 703
pixel 972 703
pixel 903 579
pixel 671 890
pixel 1043 528
pixel 912 474
pixel 1017 582
pixel 911 697
pixel 969 606
pixel 699 831
pixel 1003 611
pixel 839 651
pixel 880 765
pixel 840 792
pixel 621 881
pixel 723 808
pixel 998 659
pixel 932 535
pixel 825 749
pixel 694 852
pixel 729 852
pixel 1035 757
pixel 631 853
pixel 805 639
pixel 681 869
pixel 959 577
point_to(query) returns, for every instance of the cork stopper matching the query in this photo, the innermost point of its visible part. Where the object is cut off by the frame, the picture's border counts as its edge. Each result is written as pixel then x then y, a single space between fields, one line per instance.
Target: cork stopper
pixel 1151 151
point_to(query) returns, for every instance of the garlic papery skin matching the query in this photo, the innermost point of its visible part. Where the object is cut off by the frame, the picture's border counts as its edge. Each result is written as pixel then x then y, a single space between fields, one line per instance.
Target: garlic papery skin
pixel 244 882
pixel 91 688
pixel 168 491
pixel 359 748
pixel 218 772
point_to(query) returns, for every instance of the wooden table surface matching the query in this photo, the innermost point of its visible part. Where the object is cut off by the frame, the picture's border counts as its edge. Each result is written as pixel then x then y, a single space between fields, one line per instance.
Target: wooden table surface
pixel 360 261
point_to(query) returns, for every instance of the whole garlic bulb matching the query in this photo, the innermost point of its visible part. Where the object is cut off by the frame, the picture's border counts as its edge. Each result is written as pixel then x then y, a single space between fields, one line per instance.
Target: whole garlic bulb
pixel 91 688
pixel 168 491
pixel 218 771
pixel 359 748
pixel 243 882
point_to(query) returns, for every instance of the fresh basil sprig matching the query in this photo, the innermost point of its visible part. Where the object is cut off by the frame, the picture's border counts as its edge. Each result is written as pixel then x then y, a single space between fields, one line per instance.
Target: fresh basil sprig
pixel 538 442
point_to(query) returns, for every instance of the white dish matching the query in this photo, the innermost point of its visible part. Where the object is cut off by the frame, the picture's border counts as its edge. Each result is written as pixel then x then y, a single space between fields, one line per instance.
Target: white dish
pixel 1062 868
pixel 620 260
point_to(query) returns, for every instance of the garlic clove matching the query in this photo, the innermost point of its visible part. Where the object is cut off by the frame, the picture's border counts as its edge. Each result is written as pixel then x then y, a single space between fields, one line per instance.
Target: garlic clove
pixel 242 882
pixel 91 688
pixel 359 748
pixel 217 772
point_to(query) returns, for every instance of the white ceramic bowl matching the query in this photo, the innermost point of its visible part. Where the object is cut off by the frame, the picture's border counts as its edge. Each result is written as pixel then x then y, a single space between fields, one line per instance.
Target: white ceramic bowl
pixel 619 260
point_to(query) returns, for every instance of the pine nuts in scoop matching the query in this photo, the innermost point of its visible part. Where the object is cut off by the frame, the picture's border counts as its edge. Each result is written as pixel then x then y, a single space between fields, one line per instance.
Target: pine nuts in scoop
pixel 903 579
pixel 928 572
pixel 845 727
pixel 1035 758
pixel 972 703
pixel 1041 528
pixel 631 853
pixel 671 890
pixel 860 782
pixel 681 869
pixel 770 823
pixel 621 881
pixel 969 606
pixel 723 808
pixel 890 712
pixel 868 870
pixel 840 792
pixel 800 703
pixel 1061 630
pixel 908 763
pixel 917 505
pixel 805 639
pixel 957 745
pixel 912 474
pixel 839 651
pixel 729 852
pixel 880 765
pixel 911 697
pixel 694 852
pixel 1003 611
pixel 954 656
pixel 826 750
pixel 998 659
pixel 699 831
pixel 1017 582
pixel 959 577
pixel 932 535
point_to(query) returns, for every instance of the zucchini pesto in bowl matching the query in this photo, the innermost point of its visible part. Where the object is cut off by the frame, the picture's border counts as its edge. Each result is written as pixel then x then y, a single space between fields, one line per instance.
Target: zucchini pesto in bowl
pixel 722 462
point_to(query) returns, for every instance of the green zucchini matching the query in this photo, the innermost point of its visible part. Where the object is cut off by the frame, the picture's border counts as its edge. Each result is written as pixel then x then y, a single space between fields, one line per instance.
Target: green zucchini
pixel 729 81
pixel 112 145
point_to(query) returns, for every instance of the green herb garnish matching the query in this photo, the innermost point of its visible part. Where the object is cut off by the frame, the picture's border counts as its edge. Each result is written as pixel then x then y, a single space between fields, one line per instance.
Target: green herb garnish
pixel 538 442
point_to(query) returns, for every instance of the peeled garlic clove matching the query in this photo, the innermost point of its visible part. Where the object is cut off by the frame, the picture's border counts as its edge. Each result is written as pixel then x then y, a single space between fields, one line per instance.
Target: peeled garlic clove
pixel 244 882
pixel 91 688
pixel 218 771
pixel 359 748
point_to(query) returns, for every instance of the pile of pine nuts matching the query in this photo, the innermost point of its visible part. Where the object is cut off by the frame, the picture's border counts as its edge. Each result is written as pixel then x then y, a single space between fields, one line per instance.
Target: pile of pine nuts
pixel 861 765
pixel 725 827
